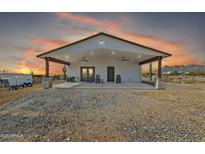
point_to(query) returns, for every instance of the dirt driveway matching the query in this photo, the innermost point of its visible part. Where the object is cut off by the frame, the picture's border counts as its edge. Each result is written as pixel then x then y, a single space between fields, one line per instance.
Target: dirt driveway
pixel 176 114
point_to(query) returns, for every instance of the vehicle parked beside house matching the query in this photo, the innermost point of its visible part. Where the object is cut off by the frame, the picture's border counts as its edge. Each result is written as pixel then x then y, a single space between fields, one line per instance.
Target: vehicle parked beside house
pixel 14 81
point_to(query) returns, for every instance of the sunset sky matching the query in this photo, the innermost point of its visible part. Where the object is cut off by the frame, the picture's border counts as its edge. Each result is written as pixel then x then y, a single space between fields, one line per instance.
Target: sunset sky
pixel 24 35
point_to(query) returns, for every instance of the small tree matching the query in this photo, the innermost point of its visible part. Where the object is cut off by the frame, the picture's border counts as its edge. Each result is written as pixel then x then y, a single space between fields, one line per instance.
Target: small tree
pixel 191 73
pixel 64 69
pixel 175 73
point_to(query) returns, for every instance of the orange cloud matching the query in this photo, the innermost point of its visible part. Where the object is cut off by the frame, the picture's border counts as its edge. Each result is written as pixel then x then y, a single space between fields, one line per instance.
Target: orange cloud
pixel 31 63
pixel 31 52
pixel 88 20
pixel 180 54
pixel 47 44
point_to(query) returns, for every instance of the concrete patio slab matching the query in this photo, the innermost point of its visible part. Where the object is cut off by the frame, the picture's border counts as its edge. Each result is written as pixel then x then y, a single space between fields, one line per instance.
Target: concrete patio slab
pixel 138 86
pixel 66 85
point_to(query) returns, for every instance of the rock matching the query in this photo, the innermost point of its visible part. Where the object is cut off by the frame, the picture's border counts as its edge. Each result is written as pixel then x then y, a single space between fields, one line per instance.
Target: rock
pixel 36 136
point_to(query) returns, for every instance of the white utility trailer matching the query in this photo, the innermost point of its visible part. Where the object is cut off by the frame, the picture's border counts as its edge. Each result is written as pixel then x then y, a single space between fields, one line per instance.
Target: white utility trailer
pixel 18 80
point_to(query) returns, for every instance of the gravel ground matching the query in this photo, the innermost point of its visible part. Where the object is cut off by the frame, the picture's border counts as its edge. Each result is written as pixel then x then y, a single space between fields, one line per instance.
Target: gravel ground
pixel 7 95
pixel 176 114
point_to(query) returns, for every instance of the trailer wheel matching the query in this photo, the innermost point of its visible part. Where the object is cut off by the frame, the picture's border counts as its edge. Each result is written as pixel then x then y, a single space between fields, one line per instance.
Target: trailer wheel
pixel 24 85
pixel 29 84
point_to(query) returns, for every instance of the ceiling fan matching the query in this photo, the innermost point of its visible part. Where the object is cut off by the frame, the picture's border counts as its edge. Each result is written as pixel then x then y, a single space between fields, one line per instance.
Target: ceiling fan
pixel 124 58
pixel 84 59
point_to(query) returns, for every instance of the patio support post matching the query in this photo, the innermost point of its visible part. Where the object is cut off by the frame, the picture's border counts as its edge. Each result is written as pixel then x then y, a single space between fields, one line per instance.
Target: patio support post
pixel 150 71
pixel 160 67
pixel 67 71
pixel 47 67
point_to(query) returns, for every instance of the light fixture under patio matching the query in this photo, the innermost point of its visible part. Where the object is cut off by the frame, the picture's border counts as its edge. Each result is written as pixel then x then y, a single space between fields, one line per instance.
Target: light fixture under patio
pixel 101 41
pixel 124 58
pixel 113 53
pixel 139 56
pixel 67 57
pixel 92 52
pixel 84 59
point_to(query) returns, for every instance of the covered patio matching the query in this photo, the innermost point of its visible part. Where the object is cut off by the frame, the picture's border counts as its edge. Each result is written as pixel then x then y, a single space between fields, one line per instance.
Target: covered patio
pixel 107 57
pixel 134 86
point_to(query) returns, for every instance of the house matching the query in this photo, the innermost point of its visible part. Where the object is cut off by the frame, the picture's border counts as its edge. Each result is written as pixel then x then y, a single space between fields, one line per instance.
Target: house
pixel 105 55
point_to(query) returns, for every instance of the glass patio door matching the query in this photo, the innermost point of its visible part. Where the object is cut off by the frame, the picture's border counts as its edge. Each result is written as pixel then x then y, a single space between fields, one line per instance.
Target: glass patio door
pixel 87 74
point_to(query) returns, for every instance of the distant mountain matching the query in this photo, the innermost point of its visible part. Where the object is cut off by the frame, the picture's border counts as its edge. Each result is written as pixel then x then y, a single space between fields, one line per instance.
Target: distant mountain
pixel 185 68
